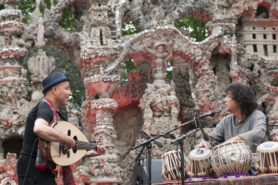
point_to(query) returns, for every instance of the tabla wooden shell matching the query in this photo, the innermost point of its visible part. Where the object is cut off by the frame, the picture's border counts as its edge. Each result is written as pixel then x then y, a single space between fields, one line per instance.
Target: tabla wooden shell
pixel 171 165
pixel 231 158
pixel 267 157
pixel 199 163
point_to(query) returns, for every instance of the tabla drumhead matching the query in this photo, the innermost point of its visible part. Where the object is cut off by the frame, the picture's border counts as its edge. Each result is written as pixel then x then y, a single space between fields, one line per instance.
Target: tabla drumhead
pixel 202 153
pixel 269 146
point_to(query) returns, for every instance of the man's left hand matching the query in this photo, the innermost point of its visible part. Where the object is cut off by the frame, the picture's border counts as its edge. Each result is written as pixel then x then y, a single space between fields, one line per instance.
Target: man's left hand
pixel 99 151
pixel 234 139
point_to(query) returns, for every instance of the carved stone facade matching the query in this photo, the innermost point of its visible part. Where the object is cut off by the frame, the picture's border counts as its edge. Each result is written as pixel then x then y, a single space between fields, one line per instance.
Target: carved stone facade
pixel 40 66
pixel 116 113
pixel 13 85
pixel 105 168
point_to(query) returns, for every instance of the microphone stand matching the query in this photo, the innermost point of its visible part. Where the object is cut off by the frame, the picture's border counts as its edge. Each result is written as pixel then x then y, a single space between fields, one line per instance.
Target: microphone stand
pixel 135 179
pixel 149 153
pixel 179 141
pixel 147 144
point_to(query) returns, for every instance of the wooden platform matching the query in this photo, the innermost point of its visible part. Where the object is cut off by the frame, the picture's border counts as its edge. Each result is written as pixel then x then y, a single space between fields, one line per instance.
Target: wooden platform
pixel 262 179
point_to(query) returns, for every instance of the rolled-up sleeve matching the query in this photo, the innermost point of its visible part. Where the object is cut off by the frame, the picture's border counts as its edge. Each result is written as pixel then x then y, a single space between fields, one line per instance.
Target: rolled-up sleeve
pixel 256 134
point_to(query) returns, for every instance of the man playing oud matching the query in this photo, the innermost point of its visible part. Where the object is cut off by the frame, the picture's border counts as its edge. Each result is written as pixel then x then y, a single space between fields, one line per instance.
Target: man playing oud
pixel 33 167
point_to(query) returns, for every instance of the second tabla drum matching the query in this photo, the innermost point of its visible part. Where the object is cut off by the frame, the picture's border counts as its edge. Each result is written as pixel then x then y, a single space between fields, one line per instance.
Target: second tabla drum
pixel 267 157
pixel 234 158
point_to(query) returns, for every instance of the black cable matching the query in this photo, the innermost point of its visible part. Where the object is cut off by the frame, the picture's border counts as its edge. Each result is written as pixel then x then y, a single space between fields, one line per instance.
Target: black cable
pixel 195 122
pixel 205 135
pixel 29 161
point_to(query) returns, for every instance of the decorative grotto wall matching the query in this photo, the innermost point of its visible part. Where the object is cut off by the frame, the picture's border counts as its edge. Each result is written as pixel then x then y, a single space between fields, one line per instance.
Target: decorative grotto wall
pixel 241 47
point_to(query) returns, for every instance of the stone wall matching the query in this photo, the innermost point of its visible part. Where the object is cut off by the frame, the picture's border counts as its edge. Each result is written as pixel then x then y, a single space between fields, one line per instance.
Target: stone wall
pixel 115 111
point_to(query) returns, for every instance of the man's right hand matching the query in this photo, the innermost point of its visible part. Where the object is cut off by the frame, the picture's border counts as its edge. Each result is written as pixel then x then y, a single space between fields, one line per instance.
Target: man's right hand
pixel 69 142
pixel 203 144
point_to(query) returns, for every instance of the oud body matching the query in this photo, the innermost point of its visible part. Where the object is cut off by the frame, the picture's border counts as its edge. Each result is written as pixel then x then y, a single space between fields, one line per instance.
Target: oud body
pixel 62 157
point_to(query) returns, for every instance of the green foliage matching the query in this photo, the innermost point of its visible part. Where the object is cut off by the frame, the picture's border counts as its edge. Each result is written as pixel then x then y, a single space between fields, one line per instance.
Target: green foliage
pixel 129 64
pixel 27 7
pixel 67 19
pixel 64 64
pixel 194 26
pixel 129 28
pixel 169 70
pixel 41 8
pixel 47 4
pixel 1 6
pixel 129 67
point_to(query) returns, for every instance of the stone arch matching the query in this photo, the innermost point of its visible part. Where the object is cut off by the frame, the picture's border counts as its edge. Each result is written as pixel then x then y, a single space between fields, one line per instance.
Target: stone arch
pixel 263 10
pixel 127 16
pixel 8 181
pixel 194 54
pixel 133 82
pixel 198 12
pixel 220 64
pixel 185 81
pixel 12 145
pixel 119 14
pixel 138 43
pixel 60 61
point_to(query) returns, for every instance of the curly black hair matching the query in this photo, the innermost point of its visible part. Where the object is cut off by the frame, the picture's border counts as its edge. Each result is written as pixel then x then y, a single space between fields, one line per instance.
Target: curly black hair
pixel 244 96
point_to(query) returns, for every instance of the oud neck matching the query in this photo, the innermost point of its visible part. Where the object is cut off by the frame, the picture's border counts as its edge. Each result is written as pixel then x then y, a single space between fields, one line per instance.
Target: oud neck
pixel 82 145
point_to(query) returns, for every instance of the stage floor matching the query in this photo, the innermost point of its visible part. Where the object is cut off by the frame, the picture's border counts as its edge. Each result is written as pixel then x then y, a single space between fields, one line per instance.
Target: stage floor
pixel 261 179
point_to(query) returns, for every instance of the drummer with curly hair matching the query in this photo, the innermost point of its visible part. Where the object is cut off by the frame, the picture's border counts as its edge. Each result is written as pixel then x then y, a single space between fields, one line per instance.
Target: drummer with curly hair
pixel 245 122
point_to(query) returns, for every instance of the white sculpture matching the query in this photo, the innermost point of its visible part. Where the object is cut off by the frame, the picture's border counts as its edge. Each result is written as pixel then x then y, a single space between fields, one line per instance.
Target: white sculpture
pixel 40 42
pixel 161 55
pixel 40 66
pixel 160 106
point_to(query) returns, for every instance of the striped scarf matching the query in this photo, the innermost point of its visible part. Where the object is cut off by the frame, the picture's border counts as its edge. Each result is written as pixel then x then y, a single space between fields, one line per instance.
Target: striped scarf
pixel 44 163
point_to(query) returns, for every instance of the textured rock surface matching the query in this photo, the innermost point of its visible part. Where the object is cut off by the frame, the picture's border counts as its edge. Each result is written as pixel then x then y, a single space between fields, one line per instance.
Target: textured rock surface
pixel 201 70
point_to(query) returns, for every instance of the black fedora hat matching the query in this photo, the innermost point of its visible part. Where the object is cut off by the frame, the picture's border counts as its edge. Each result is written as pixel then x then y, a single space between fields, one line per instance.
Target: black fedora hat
pixel 53 79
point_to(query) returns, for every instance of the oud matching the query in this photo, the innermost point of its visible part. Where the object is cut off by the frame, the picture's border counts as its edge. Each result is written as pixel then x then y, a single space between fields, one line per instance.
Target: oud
pixel 59 155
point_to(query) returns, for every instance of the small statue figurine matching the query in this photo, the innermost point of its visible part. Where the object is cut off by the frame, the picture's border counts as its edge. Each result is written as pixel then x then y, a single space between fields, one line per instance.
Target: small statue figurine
pixel 40 42
pixel 161 55
pixel 40 66
pixel 160 106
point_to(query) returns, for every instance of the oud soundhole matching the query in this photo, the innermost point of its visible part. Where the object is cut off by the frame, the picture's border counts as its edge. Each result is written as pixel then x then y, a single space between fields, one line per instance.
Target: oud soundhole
pixel 62 148
pixel 69 132
pixel 74 149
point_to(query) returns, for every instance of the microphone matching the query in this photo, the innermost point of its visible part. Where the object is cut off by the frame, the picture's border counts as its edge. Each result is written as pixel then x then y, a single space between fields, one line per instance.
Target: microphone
pixel 205 135
pixel 210 113
pixel 160 145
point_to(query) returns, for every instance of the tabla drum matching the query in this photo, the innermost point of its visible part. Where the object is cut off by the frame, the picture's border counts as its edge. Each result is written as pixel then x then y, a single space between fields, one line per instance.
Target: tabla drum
pixel 267 157
pixel 199 163
pixel 232 158
pixel 171 165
